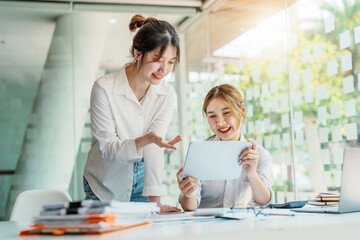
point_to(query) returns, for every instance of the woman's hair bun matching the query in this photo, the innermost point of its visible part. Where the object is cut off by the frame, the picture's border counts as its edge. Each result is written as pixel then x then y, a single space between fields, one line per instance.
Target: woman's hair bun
pixel 138 21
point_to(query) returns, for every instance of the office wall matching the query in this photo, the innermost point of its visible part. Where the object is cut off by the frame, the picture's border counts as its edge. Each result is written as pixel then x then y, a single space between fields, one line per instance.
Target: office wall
pixel 51 53
pixel 298 71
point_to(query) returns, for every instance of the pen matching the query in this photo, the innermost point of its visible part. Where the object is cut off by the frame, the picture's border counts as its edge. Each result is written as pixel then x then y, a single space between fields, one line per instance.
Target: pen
pixel 225 217
pixel 281 214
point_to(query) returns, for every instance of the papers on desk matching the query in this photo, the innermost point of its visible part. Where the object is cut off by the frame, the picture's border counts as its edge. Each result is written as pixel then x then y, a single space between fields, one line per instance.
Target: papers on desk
pixel 217 214
pixel 91 217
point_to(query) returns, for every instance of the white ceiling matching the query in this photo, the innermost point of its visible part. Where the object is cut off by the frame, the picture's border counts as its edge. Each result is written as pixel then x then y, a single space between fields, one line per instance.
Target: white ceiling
pixel 187 3
pixel 26 30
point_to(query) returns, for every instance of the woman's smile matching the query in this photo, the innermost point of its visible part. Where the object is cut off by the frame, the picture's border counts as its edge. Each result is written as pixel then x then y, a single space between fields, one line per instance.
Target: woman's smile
pixel 157 76
pixel 224 130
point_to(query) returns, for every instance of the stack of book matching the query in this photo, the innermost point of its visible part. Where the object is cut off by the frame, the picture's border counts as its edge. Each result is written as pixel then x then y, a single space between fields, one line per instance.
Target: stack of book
pixel 91 217
pixel 327 198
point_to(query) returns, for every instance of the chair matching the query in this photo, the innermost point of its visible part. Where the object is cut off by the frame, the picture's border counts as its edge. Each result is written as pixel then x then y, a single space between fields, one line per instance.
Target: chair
pixel 28 204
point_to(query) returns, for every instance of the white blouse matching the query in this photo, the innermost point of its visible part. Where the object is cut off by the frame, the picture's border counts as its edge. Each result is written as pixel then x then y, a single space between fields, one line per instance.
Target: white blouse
pixel 117 119
pixel 234 192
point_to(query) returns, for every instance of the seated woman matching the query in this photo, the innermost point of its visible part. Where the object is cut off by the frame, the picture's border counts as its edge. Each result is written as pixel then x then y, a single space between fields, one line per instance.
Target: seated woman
pixel 225 112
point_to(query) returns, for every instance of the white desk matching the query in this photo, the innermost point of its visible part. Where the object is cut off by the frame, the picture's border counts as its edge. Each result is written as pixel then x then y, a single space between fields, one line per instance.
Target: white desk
pixel 303 226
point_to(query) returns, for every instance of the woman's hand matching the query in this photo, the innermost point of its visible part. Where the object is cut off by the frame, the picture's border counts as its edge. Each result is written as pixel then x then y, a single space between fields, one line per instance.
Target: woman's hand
pixel 168 208
pixel 249 159
pixel 155 138
pixel 163 208
pixel 188 186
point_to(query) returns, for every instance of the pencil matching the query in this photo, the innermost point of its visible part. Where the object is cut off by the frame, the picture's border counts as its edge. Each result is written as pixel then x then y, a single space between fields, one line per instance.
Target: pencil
pixel 281 214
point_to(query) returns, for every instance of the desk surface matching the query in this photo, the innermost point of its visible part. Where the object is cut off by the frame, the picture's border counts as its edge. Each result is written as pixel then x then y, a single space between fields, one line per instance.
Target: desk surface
pixel 303 226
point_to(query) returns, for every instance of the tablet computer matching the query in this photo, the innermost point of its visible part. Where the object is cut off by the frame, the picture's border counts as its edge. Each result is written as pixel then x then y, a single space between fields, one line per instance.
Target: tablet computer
pixel 214 160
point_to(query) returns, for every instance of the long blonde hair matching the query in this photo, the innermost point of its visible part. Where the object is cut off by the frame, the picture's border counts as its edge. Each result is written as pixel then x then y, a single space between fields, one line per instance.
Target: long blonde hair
pixel 231 97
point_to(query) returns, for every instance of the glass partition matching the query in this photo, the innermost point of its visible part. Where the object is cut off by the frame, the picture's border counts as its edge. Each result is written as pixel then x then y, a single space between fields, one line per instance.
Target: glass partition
pixel 297 71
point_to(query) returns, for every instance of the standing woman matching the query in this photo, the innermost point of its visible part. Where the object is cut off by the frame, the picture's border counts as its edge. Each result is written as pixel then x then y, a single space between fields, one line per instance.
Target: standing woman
pixel 130 114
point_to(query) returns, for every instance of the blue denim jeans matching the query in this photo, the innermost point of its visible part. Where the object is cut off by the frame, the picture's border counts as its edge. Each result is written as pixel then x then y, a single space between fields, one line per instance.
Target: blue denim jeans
pixel 138 183
pixel 137 186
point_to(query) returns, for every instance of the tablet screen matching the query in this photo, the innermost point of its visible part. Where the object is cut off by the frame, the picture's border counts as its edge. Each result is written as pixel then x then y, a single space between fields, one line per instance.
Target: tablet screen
pixel 214 160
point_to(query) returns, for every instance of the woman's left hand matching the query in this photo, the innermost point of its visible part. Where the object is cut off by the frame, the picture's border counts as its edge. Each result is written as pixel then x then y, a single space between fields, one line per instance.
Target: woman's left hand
pixel 249 158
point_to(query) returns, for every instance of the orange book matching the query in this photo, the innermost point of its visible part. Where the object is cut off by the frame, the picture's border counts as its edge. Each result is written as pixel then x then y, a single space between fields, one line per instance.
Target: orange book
pixel 328 197
pixel 41 229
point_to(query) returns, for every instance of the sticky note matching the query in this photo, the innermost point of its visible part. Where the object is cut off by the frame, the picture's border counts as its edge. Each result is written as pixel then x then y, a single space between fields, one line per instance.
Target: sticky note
pixel 293 41
pixel 305 54
pixel 272 69
pixel 250 127
pixel 265 106
pixel 322 113
pixel 337 178
pixel 276 138
pixel 267 125
pixel 350 108
pixel 286 139
pixel 282 65
pixel 318 50
pixel 351 131
pixel 321 92
pixel 297 98
pixel 336 133
pixel 256 92
pixel 309 95
pixel 265 90
pixel 346 62
pixel 287 158
pixel 273 86
pixel 259 141
pixel 259 125
pixel 335 111
pixel 324 135
pixel 312 157
pixel 299 137
pixel 357 34
pixel 307 76
pixel 332 67
pixel 256 75
pixel 267 142
pixel 249 95
pixel 310 136
pixel 298 117
pixel 284 101
pixel 327 179
pixel 344 39
pixel 242 129
pixel 329 23
pixel 299 157
pixel 338 155
pixel 348 84
pixel 240 64
pixel 274 104
pixel 285 120
pixel 295 79
pixel 325 156
pixel 249 110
